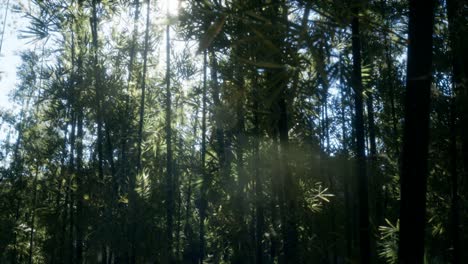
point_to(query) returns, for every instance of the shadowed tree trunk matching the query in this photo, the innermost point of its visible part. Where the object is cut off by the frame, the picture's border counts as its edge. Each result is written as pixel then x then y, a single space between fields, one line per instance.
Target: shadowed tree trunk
pixel 125 130
pixel 278 79
pixel 416 132
pixel 458 35
pixel 169 162
pixel 80 230
pixel 190 252
pixel 98 104
pixel 259 199
pixel 33 215
pixel 455 214
pixel 364 232
pixel 203 203
pixel 219 132
pixel 97 87
pixel 346 178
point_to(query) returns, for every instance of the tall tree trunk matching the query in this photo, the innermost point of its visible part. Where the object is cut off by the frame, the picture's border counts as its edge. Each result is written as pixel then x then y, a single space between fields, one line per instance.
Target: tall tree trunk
pixel 204 186
pixel 371 126
pixel 79 144
pixel 278 79
pixel 177 184
pixel 97 87
pixel 71 171
pixel 322 56
pixel 217 112
pixel 98 104
pixel 125 129
pixel 33 215
pixel 394 98
pixel 169 162
pixel 289 188
pixel 376 181
pixel 364 232
pixel 125 123
pixel 143 87
pixel 416 132
pixel 458 36
pixel 222 147
pixel 455 214
pixel 288 191
pixel 56 235
pixel 190 251
pixel 391 90
pixel 259 198
pixel 132 179
pixel 346 178
pixel 80 190
pixel 374 194
pixel 18 170
pixel 241 240
pixel 458 32
pixel 275 201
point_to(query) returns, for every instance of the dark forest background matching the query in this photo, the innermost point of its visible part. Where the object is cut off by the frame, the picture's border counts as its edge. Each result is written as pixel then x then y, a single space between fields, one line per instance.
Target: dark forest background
pixel 242 131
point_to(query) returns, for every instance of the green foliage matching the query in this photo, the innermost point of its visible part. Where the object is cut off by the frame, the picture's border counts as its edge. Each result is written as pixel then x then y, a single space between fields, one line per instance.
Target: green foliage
pixel 269 159
pixel 316 198
pixel 388 244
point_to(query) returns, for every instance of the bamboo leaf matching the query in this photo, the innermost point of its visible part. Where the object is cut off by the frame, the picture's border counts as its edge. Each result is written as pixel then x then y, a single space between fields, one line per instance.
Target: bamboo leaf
pixel 211 34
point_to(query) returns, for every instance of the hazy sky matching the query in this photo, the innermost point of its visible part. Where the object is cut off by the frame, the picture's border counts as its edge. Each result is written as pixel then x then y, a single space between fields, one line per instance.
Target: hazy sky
pixel 11 47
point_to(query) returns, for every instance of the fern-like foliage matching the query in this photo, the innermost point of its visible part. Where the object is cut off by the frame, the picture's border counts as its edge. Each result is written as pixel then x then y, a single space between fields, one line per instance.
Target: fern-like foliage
pixel 388 244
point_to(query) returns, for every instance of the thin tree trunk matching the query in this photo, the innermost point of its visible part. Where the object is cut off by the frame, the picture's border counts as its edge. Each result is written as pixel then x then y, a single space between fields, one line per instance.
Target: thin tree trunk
pixel 203 202
pixel 416 133
pixel 98 104
pixel 455 214
pixel 376 181
pixel 364 232
pixel 169 162
pixel 17 168
pixel 79 148
pixel 71 228
pixel 458 32
pixel 188 231
pixel 275 202
pixel 458 36
pixel 80 191
pixel 288 189
pixel 325 145
pixel 126 132
pixel 259 199
pixel 97 86
pixel 58 251
pixel 221 151
pixel 241 240
pixel 346 181
pixel 33 215
pixel 391 87
pixel 371 121
pixel 132 180
pixel 125 124
pixel 177 184
pixel 143 86
pixel 71 172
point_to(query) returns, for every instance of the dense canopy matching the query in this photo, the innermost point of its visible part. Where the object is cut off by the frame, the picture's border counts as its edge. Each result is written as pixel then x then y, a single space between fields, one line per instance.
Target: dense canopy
pixel 240 131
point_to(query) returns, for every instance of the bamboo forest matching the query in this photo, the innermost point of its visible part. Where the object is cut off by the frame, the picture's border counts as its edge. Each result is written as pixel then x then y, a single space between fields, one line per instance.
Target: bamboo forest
pixel 234 131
